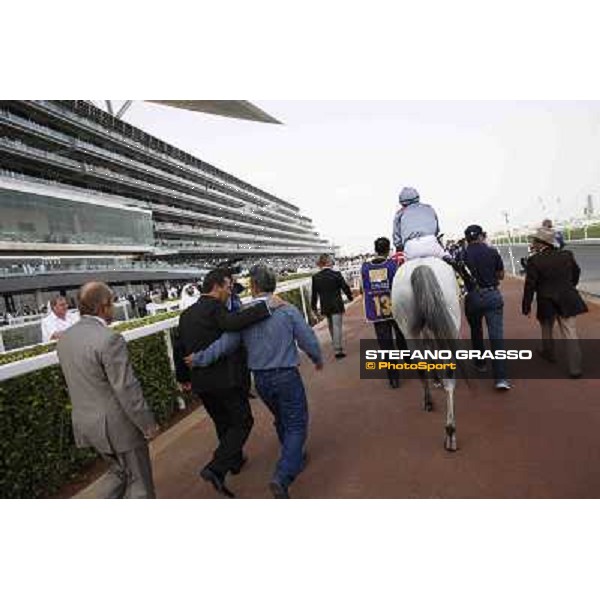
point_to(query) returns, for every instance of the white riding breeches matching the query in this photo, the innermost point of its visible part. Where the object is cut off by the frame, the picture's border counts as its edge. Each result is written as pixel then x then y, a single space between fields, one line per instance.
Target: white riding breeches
pixel 423 247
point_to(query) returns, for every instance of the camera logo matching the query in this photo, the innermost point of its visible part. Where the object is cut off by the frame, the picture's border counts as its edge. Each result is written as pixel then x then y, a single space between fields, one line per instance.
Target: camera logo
pixel 370 365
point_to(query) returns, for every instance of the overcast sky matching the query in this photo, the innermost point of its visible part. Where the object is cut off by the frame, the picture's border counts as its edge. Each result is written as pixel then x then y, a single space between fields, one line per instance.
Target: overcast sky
pixel 343 163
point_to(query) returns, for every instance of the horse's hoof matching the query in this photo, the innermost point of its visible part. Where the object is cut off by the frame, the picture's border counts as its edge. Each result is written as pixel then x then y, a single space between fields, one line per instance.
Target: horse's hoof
pixel 450 444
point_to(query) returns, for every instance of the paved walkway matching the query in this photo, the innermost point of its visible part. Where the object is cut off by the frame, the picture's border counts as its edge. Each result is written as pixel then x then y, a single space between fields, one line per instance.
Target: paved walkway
pixel 542 439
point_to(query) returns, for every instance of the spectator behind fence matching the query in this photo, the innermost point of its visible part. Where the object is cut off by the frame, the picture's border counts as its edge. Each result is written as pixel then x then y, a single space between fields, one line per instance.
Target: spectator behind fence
pixel 327 288
pixel 58 320
pixel 552 275
pixel 189 295
pixel 222 387
pixel 141 302
pixel 110 413
pixel 273 358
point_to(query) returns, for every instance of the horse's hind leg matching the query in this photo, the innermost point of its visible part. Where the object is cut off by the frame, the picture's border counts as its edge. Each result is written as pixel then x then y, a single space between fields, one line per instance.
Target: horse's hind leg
pixel 450 440
pixel 427 402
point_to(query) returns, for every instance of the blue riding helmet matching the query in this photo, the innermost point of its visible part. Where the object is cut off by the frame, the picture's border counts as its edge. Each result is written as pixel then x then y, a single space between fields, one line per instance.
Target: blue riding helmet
pixel 409 196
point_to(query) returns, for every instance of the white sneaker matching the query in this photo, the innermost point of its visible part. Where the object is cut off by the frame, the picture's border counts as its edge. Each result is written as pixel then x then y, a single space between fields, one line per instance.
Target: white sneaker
pixel 503 384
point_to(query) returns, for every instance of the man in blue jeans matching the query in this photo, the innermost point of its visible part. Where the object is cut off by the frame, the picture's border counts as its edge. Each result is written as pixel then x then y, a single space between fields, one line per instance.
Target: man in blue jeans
pixel 273 359
pixel 484 300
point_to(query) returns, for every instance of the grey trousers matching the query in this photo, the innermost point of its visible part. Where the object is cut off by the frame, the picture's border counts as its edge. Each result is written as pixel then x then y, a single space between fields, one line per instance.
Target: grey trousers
pixel 335 330
pixel 129 475
pixel 569 333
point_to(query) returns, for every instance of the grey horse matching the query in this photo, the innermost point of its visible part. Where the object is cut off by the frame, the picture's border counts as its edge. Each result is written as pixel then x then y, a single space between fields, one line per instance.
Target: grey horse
pixel 426 306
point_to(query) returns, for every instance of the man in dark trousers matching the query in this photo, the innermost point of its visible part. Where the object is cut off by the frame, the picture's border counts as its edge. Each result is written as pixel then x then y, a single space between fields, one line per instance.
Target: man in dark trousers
pixel 553 274
pixel 222 387
pixel 274 360
pixel 484 300
pixel 386 329
pixel 327 288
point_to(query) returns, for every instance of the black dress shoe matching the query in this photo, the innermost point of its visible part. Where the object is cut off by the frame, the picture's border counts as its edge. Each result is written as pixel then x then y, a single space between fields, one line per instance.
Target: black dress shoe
pixel 279 491
pixel 394 383
pixel 217 481
pixel 547 356
pixel 340 355
pixel 236 470
pixel 480 367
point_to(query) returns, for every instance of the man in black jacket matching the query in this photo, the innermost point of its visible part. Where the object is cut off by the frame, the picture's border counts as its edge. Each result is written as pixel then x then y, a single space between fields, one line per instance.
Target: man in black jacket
pixel 223 385
pixel 327 288
pixel 553 275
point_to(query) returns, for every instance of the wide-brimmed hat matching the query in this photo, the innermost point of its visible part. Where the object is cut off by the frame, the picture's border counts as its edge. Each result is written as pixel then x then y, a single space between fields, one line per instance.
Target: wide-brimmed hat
pixel 545 235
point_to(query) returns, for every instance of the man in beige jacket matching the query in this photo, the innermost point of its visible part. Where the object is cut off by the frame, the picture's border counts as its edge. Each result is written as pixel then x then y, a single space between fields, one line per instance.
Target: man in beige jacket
pixel 109 410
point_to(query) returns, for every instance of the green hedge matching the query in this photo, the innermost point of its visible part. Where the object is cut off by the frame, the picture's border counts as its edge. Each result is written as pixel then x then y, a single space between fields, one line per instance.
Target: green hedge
pixel 294 297
pixel 37 452
pixel 296 276
pixel 16 355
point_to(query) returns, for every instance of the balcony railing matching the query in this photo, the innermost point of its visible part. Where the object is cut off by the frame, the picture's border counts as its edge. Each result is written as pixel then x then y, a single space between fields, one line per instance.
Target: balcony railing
pixel 136 183
pixel 218 221
pixel 164 156
pixel 190 230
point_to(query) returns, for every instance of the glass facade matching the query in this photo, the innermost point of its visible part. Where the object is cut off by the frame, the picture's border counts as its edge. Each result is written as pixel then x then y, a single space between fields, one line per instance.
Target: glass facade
pixel 34 218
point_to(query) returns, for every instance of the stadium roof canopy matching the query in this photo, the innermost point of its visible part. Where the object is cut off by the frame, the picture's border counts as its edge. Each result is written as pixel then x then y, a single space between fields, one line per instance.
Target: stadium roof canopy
pixel 238 109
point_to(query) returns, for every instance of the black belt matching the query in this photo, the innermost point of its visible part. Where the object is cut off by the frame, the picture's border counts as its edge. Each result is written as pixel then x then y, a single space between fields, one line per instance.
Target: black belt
pixel 484 288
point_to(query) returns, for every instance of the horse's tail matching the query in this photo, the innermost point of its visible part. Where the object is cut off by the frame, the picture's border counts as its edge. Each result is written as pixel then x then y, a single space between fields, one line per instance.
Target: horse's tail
pixel 432 315
pixel 433 318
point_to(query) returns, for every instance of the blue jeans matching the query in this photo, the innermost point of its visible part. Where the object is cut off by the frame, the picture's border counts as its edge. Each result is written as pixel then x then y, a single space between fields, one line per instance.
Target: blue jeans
pixel 487 304
pixel 283 392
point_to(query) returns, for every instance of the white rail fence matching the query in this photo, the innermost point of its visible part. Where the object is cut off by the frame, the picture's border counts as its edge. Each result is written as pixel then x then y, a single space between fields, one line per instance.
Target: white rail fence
pixel 48 359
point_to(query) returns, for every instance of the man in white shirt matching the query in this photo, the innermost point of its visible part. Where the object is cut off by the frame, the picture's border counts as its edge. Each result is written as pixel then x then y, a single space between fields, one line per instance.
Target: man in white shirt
pixel 58 320
pixel 189 296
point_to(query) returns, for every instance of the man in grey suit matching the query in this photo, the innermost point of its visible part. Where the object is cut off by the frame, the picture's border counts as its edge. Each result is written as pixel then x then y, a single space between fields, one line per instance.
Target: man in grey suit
pixel 109 410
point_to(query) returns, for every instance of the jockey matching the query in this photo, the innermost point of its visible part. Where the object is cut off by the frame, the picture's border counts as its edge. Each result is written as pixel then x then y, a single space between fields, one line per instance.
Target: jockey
pixel 416 227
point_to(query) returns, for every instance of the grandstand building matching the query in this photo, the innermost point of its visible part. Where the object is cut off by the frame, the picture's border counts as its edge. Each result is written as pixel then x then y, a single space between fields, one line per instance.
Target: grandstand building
pixel 82 190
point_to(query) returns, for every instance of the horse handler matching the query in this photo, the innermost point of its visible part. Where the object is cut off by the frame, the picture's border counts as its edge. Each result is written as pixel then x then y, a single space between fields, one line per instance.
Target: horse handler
pixel 377 276
pixel 484 299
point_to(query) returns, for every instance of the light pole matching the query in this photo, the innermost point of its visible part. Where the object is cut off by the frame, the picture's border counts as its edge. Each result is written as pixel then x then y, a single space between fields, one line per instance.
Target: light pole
pixel 510 251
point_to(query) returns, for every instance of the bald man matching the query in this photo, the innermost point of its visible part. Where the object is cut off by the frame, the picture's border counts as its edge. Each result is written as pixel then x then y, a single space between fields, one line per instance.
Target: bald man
pixel 109 413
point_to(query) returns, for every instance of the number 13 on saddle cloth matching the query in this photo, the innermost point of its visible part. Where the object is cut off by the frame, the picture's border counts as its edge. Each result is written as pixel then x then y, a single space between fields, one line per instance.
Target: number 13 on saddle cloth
pixel 377 277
